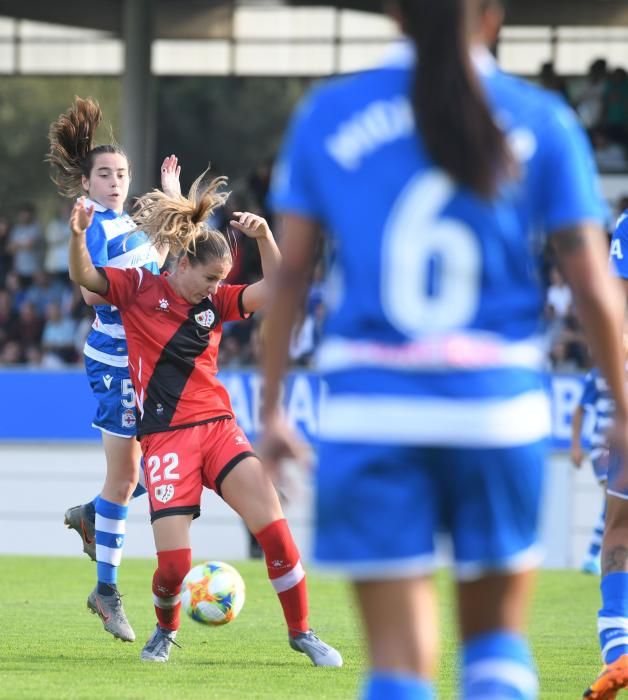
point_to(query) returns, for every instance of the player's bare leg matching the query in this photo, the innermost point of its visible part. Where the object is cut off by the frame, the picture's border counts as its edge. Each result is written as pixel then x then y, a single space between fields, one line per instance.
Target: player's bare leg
pixel 497 661
pixel 402 639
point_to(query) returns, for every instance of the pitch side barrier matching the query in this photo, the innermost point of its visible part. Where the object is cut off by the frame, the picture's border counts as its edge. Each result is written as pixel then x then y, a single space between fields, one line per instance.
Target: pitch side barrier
pixel 57 406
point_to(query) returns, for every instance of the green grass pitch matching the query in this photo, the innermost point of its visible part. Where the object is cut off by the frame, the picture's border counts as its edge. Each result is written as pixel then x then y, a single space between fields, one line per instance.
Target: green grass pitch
pixel 52 647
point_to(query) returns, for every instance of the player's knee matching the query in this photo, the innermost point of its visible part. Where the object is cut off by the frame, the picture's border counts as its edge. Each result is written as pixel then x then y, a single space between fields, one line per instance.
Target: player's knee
pixel 173 565
pixel 124 490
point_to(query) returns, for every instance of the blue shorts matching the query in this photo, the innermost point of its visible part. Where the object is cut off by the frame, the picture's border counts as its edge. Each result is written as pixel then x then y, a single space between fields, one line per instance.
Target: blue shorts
pixel 616 485
pixel 380 508
pixel 113 390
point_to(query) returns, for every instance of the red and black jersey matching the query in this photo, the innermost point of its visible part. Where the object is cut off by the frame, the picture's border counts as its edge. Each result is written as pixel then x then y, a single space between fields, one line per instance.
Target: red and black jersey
pixel 173 348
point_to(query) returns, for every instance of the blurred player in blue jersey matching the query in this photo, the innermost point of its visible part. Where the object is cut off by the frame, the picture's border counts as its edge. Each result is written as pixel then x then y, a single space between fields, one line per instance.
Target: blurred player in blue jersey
pixel 595 400
pixel 103 173
pixel 612 621
pixel 435 413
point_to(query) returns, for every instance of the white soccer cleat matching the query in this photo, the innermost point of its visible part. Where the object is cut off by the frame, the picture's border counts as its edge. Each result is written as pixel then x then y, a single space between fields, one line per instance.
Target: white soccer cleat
pixel 157 648
pixel 320 653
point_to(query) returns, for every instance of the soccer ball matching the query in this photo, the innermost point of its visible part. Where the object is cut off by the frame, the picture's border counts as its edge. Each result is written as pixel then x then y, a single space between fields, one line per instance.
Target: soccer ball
pixel 212 593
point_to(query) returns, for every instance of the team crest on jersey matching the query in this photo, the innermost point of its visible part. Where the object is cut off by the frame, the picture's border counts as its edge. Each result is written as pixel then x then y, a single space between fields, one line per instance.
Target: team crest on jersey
pixel 205 318
pixel 164 493
pixel 128 418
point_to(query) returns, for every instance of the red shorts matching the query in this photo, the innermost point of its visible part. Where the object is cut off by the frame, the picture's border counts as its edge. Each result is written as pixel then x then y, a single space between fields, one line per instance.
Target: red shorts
pixel 178 463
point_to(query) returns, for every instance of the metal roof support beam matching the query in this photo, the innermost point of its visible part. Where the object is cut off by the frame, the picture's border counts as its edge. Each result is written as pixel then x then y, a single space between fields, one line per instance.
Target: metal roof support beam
pixel 138 92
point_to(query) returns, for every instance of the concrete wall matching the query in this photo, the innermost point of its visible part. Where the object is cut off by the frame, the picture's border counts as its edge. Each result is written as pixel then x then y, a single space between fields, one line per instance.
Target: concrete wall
pixel 39 481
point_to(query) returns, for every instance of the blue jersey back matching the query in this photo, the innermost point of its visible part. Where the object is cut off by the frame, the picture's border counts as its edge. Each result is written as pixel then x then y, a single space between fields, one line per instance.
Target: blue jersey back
pixel 596 397
pixel 435 298
pixel 110 245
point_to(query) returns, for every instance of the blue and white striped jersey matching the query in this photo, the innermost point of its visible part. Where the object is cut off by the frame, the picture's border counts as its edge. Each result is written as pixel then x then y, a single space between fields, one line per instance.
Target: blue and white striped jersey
pixel 619 246
pixel 434 332
pixel 109 246
pixel 597 398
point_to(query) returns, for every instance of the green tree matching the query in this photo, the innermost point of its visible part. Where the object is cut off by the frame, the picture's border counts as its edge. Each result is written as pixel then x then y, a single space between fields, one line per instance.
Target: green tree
pixel 27 106
pixel 234 123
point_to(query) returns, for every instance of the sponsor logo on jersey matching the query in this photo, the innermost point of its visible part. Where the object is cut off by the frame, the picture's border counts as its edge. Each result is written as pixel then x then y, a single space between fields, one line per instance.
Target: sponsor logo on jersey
pixel 163 305
pixel 159 409
pixel 128 418
pixel 239 440
pixel 164 493
pixel 107 379
pixel 205 318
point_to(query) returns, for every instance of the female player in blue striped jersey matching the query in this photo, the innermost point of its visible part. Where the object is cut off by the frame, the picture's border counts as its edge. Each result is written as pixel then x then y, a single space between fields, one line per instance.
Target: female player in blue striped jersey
pixel 103 173
pixel 595 401
pixel 435 412
pixel 612 618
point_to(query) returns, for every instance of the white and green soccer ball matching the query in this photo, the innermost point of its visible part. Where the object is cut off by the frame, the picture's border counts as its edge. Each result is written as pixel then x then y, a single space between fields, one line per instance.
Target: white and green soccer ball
pixel 213 593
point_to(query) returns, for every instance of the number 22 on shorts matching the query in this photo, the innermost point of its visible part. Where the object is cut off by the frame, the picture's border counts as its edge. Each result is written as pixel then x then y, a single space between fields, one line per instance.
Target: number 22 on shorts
pixel 159 468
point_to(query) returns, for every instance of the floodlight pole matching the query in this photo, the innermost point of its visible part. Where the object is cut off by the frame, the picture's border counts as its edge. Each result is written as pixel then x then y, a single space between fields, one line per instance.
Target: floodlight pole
pixel 138 92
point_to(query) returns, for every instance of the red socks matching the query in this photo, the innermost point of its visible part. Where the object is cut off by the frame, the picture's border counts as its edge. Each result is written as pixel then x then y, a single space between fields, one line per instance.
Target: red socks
pixel 172 566
pixel 286 573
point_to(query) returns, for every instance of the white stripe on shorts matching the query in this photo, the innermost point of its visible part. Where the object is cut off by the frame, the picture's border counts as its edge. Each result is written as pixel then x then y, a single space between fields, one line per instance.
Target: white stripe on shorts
pixel 526 559
pixel 399 420
pixel 386 569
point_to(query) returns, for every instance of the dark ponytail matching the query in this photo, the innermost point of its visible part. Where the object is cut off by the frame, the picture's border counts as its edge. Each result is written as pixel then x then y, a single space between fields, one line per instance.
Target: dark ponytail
pixel 72 151
pixel 454 118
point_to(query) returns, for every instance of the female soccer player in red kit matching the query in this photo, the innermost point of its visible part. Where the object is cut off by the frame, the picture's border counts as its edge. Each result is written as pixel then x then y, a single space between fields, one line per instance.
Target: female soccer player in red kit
pixel 186 425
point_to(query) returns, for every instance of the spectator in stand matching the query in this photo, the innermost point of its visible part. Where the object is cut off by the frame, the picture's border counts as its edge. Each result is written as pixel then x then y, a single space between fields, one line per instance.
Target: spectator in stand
pixel 16 289
pixel 85 319
pixel 258 184
pixel 229 352
pixel 616 107
pixel 58 337
pixel 12 354
pixel 26 243
pixel 6 258
pixel 45 290
pixel 32 356
pixel 57 234
pixel 610 156
pixel 304 338
pixel 558 295
pixel 569 351
pixel 30 326
pixel 8 319
pixel 553 82
pixel 590 101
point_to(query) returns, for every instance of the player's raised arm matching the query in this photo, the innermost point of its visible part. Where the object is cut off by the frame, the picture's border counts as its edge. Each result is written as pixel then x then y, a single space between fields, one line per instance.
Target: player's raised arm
pixel 81 267
pixel 254 226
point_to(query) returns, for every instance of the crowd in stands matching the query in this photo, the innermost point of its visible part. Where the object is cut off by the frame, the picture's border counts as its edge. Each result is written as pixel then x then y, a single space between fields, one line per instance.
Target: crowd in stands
pixel 44 321
pixel 601 102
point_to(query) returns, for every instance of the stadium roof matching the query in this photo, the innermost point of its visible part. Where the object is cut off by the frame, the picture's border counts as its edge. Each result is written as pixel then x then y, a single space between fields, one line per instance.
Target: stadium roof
pixel 202 19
